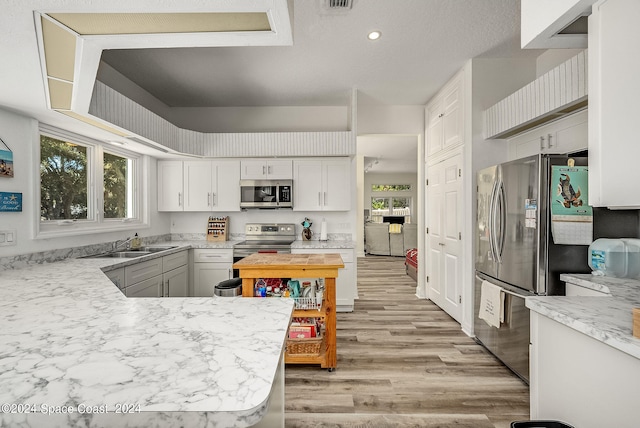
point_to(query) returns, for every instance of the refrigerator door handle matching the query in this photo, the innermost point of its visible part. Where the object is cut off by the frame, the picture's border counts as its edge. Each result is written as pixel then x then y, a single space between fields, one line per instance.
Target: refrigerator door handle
pixel 501 201
pixel 493 205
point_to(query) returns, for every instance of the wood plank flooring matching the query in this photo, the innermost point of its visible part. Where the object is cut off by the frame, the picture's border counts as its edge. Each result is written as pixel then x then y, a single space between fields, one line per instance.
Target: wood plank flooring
pixel 402 362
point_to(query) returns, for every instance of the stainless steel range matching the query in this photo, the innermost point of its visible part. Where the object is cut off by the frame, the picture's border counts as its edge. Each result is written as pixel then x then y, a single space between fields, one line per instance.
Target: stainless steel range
pixel 265 238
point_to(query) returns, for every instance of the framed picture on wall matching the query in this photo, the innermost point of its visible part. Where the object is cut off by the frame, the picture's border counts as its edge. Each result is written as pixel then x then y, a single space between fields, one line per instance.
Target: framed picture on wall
pixel 6 160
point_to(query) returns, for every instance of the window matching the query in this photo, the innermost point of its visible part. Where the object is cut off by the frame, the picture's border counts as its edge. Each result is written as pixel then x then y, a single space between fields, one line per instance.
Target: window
pixel 390 200
pixel 86 185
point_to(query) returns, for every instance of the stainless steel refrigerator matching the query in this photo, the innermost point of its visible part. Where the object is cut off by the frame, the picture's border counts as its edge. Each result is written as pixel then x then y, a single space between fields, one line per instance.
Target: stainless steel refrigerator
pixel 515 250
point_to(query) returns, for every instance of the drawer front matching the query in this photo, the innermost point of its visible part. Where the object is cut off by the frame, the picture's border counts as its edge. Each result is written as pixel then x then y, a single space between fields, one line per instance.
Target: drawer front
pixel 212 256
pixel 142 271
pixel 173 261
pixel 151 287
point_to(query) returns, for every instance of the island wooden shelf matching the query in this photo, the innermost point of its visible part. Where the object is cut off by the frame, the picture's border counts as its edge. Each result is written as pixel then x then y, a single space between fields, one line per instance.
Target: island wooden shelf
pixel 274 265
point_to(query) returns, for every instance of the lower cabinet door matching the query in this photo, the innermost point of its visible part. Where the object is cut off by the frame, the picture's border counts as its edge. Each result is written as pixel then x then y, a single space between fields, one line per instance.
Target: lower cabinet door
pixel 151 287
pixel 176 282
pixel 207 275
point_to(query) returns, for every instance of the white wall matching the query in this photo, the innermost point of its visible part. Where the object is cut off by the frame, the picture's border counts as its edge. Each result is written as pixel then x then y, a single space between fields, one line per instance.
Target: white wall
pixel 20 133
pixel 552 58
pixel 385 119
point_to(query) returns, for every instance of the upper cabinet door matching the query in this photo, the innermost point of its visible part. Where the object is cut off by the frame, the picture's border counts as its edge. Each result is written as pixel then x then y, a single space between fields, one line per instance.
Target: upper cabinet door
pixel 170 191
pixel 281 169
pixel 322 185
pixel 307 185
pixel 197 185
pixel 435 114
pixel 261 169
pixel 337 185
pixel 444 121
pixel 613 110
pixel 226 186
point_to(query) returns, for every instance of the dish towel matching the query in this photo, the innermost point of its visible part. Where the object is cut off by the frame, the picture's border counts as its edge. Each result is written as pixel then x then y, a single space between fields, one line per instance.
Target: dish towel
pixel 491 304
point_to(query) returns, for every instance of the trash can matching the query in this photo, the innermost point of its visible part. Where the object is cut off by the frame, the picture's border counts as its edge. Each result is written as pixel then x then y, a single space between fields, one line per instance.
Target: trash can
pixel 228 288
pixel 540 424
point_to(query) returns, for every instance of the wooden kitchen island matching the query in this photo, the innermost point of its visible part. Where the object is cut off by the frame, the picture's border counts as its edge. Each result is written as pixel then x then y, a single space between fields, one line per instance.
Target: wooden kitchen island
pixel 275 265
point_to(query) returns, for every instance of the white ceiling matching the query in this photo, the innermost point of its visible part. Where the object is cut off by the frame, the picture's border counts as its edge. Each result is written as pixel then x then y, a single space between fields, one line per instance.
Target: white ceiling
pixel 423 43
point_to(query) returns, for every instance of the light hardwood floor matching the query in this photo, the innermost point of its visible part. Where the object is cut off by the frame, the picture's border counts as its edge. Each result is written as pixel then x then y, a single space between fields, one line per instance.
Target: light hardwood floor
pixel 402 362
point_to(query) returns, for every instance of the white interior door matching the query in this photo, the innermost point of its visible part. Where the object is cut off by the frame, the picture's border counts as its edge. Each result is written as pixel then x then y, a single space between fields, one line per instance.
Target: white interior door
pixel 444 221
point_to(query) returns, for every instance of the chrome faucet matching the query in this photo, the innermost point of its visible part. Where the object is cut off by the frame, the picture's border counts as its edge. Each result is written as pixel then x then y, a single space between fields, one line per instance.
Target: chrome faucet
pixel 120 243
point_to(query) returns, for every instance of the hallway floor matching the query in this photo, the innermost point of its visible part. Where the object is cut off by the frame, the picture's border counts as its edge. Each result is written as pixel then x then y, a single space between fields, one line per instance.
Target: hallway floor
pixel 403 362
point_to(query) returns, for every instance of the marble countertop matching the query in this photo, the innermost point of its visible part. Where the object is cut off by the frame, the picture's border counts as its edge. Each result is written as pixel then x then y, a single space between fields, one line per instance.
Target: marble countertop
pixel 606 318
pixel 339 245
pixel 69 337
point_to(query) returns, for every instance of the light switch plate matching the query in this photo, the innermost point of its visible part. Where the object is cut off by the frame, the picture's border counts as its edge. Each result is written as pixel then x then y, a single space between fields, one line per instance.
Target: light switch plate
pixel 8 237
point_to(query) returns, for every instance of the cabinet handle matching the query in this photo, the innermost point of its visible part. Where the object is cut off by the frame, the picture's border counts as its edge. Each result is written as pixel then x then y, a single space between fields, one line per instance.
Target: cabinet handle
pixel 441 114
pixel 229 274
pixel 269 169
pixel 320 198
pixel 324 198
pixel 441 244
pixel 179 199
pixel 208 199
pixel 264 169
pixel 541 143
pixel 549 141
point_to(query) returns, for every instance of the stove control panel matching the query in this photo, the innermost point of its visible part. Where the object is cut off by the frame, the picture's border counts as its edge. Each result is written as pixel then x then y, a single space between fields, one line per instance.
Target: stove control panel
pixel 270 229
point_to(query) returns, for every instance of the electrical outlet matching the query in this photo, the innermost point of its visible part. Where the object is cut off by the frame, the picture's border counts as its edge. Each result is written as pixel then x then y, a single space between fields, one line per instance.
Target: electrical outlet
pixel 8 237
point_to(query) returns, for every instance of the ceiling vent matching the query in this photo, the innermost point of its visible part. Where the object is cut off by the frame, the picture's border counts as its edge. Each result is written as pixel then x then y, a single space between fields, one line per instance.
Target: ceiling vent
pixel 339 4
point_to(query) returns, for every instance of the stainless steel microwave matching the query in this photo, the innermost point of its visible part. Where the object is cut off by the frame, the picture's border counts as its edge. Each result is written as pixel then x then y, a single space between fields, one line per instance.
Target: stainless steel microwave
pixel 266 193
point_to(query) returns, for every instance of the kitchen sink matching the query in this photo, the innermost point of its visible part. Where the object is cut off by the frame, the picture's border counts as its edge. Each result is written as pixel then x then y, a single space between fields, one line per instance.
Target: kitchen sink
pixel 119 255
pixel 154 249
pixel 129 254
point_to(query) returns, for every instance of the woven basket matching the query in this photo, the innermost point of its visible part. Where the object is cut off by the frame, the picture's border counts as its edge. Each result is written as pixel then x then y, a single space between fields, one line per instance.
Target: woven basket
pixel 304 346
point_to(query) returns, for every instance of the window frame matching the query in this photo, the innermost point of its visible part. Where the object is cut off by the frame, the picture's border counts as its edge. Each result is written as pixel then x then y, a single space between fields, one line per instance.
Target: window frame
pixel 95 221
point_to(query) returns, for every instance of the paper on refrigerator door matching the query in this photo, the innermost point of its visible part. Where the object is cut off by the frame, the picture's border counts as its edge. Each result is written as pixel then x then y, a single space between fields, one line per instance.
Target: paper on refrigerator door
pixel 571 215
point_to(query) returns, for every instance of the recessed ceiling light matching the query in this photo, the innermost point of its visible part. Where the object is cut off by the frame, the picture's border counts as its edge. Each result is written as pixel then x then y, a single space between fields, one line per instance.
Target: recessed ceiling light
pixel 374 35
pixel 116 143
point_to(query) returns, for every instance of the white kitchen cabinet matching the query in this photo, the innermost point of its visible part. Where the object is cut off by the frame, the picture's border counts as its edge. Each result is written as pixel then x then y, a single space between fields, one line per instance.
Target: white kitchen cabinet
pixel 322 185
pixel 261 169
pixel 210 266
pixel 566 135
pixel 613 104
pixel 166 276
pixel 212 185
pixel 117 277
pixel 444 119
pixel 142 271
pixel 346 283
pixel 176 282
pixel 580 380
pixel 170 188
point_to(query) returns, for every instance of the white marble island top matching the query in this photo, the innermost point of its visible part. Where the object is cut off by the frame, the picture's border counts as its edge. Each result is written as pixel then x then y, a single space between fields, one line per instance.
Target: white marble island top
pixel 607 319
pixel 70 338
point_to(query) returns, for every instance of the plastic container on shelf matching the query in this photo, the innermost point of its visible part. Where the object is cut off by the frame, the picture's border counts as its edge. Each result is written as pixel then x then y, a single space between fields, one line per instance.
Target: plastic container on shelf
pixel 608 257
pixel 633 257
